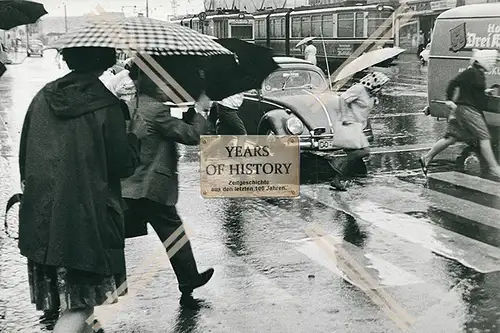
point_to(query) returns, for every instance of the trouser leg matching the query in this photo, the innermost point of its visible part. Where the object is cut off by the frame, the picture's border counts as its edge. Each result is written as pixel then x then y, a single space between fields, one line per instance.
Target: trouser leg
pixel 168 225
pixel 342 166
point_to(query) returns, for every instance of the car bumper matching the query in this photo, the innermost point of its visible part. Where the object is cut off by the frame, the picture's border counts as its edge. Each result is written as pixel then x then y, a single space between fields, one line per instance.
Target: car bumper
pixel 311 141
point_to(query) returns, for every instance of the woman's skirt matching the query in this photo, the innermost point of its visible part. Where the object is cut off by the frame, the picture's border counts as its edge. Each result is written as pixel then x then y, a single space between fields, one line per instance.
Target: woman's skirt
pixel 59 288
pixel 468 125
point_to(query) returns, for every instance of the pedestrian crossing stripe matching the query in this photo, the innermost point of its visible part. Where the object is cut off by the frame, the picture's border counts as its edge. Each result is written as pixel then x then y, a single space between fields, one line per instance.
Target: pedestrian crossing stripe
pixel 482 257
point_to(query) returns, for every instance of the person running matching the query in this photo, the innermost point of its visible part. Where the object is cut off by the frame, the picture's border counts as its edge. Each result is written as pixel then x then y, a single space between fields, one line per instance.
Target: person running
pixel 467 123
pixel 359 100
pixel 152 192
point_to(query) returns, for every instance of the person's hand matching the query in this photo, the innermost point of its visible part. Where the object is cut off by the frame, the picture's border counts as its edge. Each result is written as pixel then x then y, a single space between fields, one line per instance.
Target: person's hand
pixel 451 105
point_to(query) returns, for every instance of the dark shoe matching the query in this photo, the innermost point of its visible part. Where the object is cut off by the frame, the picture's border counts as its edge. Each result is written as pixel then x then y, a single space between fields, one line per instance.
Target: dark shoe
pixel 423 166
pixel 337 185
pixel 198 282
pixel 188 302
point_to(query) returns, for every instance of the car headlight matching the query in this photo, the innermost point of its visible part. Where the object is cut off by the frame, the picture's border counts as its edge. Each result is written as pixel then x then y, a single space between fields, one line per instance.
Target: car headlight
pixel 294 126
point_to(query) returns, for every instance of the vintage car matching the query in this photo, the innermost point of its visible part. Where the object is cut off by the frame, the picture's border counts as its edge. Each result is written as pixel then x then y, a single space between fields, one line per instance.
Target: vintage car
pixel 35 48
pixel 295 100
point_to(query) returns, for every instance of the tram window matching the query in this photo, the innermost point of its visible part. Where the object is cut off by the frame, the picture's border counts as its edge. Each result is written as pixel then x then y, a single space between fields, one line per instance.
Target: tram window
pixel 241 31
pixel 345 25
pixel 376 20
pixel 261 28
pixel 296 27
pixel 281 26
pixel 316 25
pixel 360 24
pixel 196 25
pixel 272 27
pixel 327 25
pixel 306 26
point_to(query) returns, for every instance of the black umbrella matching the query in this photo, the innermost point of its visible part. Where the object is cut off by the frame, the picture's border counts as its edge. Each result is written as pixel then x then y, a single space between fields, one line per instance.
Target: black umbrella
pixel 220 76
pixel 255 63
pixel 19 12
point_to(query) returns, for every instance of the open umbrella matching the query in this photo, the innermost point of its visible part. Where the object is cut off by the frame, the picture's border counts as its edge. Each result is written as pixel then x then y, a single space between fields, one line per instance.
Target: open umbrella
pixel 367 60
pixel 255 63
pixel 304 41
pixel 19 12
pixel 143 35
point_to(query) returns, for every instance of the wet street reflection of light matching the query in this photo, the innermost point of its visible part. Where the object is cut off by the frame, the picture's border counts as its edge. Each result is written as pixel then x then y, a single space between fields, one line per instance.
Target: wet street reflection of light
pixel 269 275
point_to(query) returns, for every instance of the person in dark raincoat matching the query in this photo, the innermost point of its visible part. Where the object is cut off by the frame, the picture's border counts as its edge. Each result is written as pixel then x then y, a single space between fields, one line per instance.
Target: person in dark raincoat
pixel 153 191
pixel 74 151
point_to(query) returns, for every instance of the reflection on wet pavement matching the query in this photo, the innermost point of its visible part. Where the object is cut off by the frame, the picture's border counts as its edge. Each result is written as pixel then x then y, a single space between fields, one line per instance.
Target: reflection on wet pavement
pixel 270 275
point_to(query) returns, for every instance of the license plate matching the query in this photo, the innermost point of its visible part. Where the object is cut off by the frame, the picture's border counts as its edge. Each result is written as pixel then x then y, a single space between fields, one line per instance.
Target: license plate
pixel 325 144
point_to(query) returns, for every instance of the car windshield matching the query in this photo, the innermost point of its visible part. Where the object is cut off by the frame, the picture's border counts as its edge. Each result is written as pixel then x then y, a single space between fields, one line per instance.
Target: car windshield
pixel 294 79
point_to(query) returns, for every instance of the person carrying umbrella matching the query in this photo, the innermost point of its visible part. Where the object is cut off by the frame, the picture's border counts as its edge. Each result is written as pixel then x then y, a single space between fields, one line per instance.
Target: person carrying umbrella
pixel 356 105
pixel 152 192
pixel 467 122
pixel 74 150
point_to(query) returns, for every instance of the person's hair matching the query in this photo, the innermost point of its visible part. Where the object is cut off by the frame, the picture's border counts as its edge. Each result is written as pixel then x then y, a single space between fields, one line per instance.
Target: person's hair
pixel 309 42
pixel 89 59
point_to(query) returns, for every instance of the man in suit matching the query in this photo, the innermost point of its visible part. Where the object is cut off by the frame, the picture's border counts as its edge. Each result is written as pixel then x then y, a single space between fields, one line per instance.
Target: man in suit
pixel 152 192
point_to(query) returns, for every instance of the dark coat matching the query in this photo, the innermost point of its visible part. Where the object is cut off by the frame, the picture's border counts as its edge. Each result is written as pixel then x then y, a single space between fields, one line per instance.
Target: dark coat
pixel 156 177
pixel 74 151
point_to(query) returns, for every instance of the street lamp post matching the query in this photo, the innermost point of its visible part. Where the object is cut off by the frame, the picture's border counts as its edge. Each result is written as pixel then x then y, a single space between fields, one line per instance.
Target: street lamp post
pixel 147 8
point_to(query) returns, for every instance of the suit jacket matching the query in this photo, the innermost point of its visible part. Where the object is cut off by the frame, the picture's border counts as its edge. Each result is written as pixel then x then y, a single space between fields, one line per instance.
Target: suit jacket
pixel 156 176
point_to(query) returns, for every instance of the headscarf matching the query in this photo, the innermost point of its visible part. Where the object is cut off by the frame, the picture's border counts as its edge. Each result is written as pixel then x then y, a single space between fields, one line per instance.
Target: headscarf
pixel 485 58
pixel 374 81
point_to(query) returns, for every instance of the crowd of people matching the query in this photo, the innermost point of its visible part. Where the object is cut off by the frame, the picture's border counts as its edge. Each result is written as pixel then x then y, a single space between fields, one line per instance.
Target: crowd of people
pixel 91 167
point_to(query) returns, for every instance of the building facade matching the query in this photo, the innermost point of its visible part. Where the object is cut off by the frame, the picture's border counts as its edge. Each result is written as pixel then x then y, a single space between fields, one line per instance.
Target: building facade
pixel 421 18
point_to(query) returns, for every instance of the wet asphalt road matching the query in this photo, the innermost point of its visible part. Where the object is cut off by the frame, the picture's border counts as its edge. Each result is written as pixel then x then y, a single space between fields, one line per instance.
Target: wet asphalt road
pixel 271 275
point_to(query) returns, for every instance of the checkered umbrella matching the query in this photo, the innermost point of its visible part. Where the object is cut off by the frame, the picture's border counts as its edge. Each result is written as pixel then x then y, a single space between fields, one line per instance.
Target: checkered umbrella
pixel 141 34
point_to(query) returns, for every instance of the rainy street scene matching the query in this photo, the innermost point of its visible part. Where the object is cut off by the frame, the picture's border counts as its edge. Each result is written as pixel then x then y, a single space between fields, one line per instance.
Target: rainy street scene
pixel 250 166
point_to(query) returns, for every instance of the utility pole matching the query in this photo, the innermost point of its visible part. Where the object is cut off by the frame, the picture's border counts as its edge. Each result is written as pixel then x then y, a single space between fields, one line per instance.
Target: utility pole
pixel 65 18
pixel 147 8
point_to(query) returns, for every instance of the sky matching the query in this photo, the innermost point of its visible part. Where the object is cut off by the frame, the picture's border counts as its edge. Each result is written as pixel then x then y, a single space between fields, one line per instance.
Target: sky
pixel 158 8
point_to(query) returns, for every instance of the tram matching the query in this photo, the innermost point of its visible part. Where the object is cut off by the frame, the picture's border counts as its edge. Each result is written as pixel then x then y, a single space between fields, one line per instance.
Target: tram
pixel 339 29
pixel 221 24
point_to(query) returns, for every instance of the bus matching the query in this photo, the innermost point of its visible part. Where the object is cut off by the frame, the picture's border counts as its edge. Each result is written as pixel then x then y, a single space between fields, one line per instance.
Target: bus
pixel 222 24
pixel 338 29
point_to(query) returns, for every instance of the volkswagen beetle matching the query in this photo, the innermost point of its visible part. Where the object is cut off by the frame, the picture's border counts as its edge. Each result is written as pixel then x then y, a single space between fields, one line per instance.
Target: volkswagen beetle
pixel 295 100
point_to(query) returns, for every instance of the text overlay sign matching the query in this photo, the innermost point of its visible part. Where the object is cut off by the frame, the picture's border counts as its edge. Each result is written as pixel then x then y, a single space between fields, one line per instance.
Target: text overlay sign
pixel 249 166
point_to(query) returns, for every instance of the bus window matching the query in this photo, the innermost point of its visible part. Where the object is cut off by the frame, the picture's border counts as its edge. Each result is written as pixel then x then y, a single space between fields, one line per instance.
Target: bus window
pixel 327 25
pixel 316 25
pixel 360 24
pixel 296 27
pixel 306 26
pixel 345 25
pixel 376 20
pixel 241 31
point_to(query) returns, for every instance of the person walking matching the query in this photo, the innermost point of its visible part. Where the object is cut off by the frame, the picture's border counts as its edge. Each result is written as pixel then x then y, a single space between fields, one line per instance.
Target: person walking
pixel 420 42
pixel 467 122
pixel 356 105
pixel 74 151
pixel 152 192
pixel 310 52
